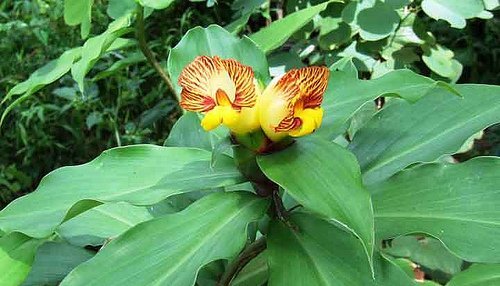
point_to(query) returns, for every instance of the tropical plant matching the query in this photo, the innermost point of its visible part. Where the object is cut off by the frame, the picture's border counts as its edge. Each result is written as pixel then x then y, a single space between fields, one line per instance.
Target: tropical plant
pixel 310 177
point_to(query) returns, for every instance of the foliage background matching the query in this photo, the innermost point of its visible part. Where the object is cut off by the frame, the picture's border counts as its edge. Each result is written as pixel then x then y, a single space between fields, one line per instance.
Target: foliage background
pixel 130 104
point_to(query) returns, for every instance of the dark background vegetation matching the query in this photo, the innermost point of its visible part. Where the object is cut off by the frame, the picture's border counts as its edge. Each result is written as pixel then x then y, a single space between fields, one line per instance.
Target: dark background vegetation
pixel 60 126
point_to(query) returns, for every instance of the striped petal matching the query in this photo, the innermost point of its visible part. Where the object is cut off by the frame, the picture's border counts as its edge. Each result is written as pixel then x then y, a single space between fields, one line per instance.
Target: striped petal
pixel 243 78
pixel 302 89
pixel 211 81
pixel 290 105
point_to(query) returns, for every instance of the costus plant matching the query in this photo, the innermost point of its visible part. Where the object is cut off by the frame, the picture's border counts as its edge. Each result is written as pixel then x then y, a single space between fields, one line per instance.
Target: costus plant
pixel 300 179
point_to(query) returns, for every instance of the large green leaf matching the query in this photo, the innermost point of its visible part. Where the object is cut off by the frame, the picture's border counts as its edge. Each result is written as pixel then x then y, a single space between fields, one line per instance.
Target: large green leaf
pixel 325 179
pixel 456 203
pixel 101 223
pixel 215 41
pixel 53 261
pixel 170 250
pixel 478 275
pixel 402 133
pixel 78 12
pixel 16 256
pixel 96 46
pixel 140 174
pixel 318 253
pixel 346 94
pixel 273 36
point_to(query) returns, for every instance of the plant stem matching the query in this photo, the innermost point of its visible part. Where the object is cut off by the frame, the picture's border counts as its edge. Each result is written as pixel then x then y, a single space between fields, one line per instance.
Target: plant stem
pixel 250 252
pixel 140 33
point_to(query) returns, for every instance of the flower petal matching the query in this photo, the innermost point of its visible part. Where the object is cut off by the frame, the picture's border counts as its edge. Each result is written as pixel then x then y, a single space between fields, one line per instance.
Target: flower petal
pixel 302 89
pixel 201 80
pixel 306 85
pixel 243 78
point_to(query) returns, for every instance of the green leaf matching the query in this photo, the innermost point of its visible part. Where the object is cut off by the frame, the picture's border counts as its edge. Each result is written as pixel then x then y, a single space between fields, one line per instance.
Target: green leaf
pixel 16 256
pixel 95 47
pixel 440 60
pixel 389 273
pixel 43 76
pixel 178 245
pixel 427 252
pixel 325 179
pixel 491 4
pixel 187 132
pixel 215 41
pixel 53 261
pixel 402 134
pixel 346 94
pixel 255 273
pixel 156 4
pixel 377 22
pixel 452 11
pixel 78 12
pixel 274 35
pixel 318 253
pixel 119 8
pixel 478 275
pixel 102 223
pixel 455 203
pixel 120 65
pixel 140 174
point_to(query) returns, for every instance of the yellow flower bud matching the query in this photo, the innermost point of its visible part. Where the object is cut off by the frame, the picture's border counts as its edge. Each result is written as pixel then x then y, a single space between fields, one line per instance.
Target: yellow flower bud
pixel 290 105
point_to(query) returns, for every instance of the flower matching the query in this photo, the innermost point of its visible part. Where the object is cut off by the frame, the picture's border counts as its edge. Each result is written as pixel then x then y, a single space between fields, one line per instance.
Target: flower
pixel 290 105
pixel 224 90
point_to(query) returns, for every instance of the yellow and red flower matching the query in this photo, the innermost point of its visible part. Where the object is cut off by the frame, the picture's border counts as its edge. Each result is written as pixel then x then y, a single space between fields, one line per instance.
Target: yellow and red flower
pixel 224 90
pixel 291 104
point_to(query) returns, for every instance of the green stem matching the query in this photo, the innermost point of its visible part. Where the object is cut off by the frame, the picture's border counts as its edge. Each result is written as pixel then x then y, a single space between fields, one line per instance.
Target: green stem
pixel 140 33
pixel 249 253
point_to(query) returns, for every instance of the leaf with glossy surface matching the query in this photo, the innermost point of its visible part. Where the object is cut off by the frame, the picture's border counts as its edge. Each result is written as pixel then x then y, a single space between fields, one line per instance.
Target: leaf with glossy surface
pixel 140 174
pixel 53 261
pixel 101 223
pixel 274 35
pixel 170 250
pixel 318 253
pixel 443 200
pixel 215 41
pixel 402 133
pixel 346 94
pixel 478 275
pixel 325 179
pixel 16 256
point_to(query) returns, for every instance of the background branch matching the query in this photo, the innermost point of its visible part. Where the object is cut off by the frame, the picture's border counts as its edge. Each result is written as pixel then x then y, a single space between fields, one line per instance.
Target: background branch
pixel 140 33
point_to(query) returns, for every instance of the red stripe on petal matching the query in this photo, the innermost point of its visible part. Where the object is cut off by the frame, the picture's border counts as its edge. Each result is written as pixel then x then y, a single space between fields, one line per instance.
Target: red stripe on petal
pixel 243 78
